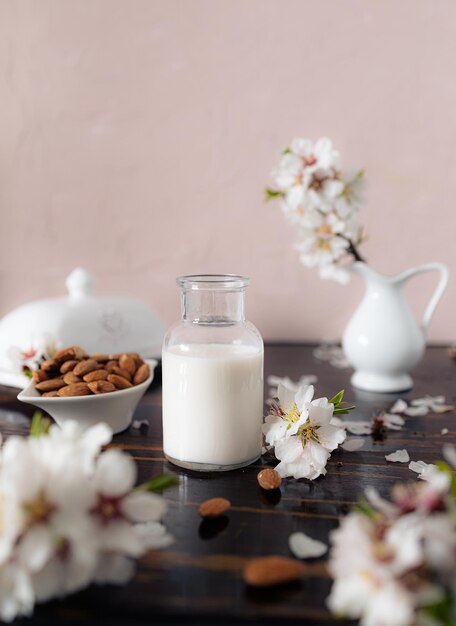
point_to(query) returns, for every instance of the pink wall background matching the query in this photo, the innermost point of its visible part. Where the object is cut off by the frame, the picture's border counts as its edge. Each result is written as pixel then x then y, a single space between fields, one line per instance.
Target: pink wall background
pixel 136 137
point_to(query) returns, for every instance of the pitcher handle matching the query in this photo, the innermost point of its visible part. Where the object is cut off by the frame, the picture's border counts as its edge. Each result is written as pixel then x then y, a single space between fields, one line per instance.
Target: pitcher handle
pixel 441 286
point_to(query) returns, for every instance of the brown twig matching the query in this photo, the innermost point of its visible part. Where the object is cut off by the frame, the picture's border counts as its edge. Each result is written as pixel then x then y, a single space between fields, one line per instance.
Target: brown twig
pixel 353 250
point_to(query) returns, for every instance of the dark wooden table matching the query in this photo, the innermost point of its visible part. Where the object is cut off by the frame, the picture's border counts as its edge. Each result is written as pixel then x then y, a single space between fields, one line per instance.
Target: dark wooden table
pixel 198 580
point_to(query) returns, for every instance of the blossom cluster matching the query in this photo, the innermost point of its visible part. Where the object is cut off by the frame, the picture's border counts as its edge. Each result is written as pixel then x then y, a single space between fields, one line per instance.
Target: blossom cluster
pixel 70 515
pixel 322 201
pixel 394 562
pixel 303 431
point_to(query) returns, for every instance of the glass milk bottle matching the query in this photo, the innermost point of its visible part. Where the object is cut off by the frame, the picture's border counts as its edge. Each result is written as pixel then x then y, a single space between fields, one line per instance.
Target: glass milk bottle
pixel 212 378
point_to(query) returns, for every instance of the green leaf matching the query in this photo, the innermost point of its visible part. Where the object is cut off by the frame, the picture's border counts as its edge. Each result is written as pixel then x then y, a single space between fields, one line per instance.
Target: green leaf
pixel 337 399
pixel 39 426
pixel 286 151
pixel 160 482
pixel 272 193
pixel 343 410
pixel 441 611
pixel 27 372
pixel 365 508
pixel 340 407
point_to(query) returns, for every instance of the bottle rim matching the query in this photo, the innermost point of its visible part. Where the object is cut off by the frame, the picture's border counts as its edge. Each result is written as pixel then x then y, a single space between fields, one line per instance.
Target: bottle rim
pixel 212 281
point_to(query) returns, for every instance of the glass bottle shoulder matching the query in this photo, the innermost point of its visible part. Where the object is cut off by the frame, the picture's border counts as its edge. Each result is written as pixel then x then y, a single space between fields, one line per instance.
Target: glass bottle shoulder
pixel 241 334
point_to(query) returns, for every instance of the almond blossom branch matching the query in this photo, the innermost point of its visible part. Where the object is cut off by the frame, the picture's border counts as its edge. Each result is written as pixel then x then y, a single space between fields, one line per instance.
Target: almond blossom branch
pixel 321 201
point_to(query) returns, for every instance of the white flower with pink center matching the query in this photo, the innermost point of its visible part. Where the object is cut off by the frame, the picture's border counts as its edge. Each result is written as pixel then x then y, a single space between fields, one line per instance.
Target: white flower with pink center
pixel 302 432
pixel 322 201
pixel 70 515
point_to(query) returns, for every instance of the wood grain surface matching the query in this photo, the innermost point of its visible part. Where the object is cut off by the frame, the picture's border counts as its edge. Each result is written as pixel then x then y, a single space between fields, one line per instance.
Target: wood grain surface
pixel 198 579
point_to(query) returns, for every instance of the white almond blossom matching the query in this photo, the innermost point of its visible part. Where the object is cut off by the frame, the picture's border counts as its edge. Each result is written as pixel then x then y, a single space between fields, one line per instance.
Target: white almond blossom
pixel 350 198
pixel 393 563
pixel 322 201
pixel 289 172
pixel 316 157
pixel 119 506
pixel 70 515
pixel 324 192
pixel 365 584
pixel 38 348
pixel 335 272
pixel 286 412
pixel 321 246
pixel 302 432
pixel 306 448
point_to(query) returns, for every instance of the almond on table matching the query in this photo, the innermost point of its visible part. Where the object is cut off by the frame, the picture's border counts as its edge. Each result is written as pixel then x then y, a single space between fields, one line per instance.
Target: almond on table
pixel 272 570
pixel 214 507
pixel 269 479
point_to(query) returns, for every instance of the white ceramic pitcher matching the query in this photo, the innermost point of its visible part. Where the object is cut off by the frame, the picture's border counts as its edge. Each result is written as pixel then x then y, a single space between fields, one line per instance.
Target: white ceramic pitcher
pixel 383 341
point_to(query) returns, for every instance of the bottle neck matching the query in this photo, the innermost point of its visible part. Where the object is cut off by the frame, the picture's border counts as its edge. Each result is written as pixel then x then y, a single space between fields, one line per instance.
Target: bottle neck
pixel 213 306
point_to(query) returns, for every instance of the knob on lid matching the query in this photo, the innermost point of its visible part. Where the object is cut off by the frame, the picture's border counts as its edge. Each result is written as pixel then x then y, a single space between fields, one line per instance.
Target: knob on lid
pixel 80 283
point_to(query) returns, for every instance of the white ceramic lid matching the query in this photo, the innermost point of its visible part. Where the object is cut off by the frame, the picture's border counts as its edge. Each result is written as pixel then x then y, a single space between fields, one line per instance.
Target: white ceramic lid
pixel 106 324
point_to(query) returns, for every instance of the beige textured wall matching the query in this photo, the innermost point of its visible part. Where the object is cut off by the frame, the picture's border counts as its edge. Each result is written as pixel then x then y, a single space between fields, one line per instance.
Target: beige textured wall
pixel 136 137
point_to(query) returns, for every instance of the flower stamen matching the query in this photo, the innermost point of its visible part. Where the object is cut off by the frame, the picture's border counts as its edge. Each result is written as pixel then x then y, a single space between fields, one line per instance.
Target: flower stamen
pixel 309 160
pixel 108 509
pixel 308 432
pixel 38 510
pixel 292 415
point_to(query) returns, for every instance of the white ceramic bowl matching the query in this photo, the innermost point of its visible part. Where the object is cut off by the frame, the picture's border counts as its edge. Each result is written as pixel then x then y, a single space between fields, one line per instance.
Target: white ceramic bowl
pixel 115 408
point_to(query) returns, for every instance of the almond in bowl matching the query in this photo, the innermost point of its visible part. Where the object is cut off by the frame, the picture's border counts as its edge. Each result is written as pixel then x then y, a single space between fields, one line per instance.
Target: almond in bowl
pixel 77 386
